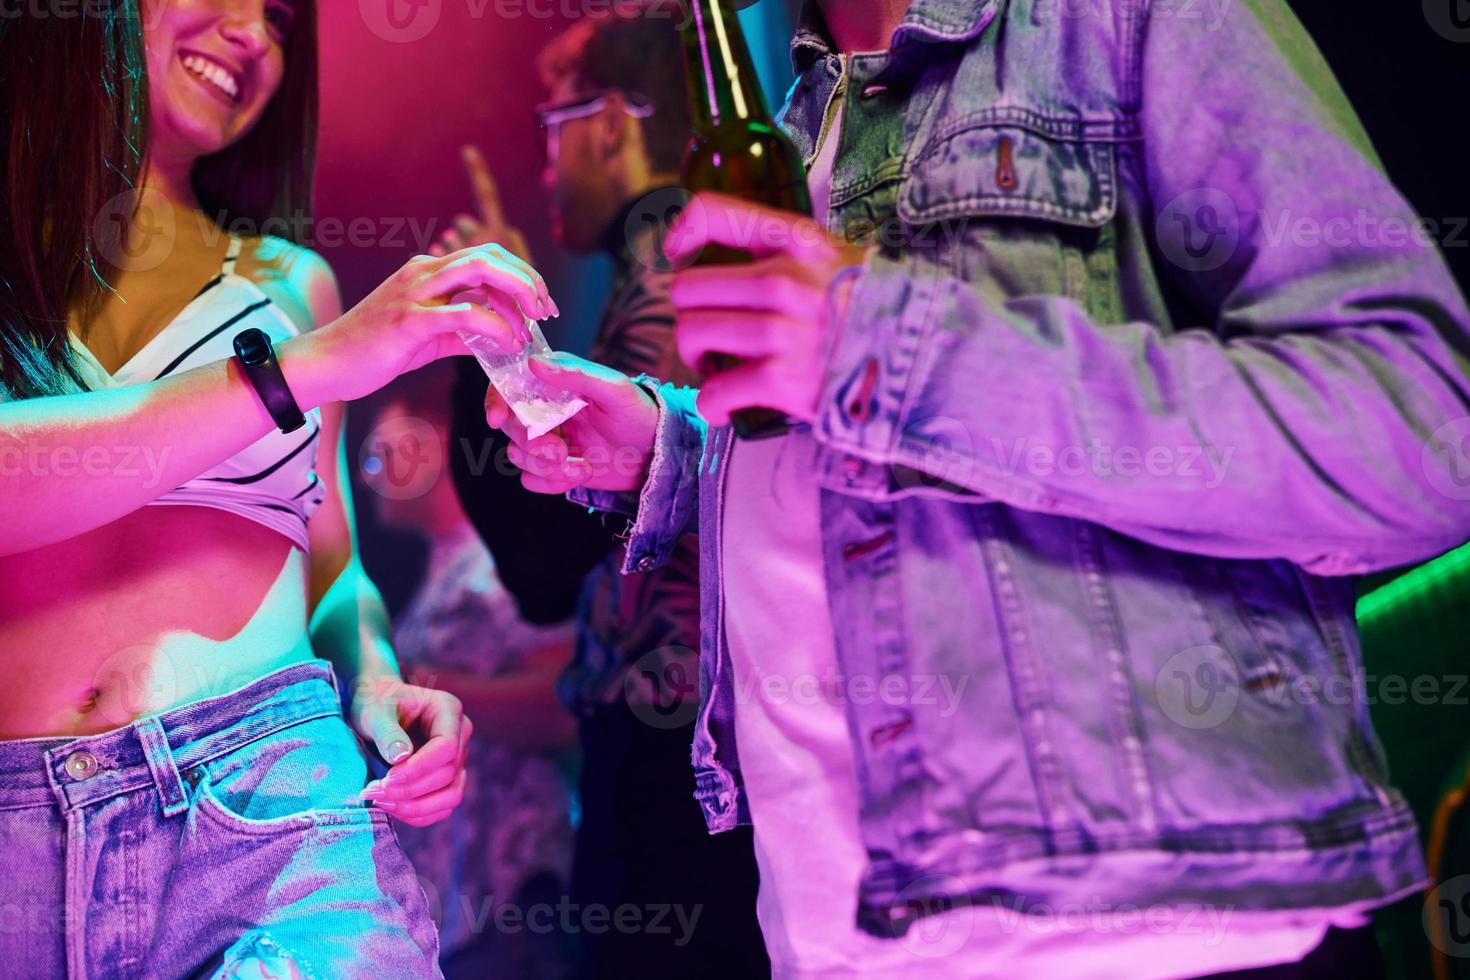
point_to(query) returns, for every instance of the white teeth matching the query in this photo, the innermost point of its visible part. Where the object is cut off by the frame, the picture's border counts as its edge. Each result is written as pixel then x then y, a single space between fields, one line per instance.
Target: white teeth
pixel 212 73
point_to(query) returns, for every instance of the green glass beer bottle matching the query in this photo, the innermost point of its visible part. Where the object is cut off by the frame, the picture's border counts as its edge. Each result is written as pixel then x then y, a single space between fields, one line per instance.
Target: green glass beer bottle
pixel 736 150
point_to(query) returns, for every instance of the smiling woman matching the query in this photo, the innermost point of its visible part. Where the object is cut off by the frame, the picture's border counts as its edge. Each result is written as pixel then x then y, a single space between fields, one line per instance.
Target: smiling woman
pixel 244 101
pixel 180 637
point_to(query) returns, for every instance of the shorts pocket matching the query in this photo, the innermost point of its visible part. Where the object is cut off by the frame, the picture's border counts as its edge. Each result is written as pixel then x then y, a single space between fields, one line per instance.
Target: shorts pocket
pixel 304 776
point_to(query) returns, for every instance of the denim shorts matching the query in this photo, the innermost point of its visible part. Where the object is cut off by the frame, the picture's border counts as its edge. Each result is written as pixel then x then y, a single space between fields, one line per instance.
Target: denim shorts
pixel 223 838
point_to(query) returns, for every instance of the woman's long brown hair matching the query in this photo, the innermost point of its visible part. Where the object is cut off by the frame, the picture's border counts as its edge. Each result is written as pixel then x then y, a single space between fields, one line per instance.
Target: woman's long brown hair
pixel 74 115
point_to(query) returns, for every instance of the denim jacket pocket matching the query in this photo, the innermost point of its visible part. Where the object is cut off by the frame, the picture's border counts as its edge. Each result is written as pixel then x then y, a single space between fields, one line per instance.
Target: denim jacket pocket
pixel 1012 165
pixel 1016 204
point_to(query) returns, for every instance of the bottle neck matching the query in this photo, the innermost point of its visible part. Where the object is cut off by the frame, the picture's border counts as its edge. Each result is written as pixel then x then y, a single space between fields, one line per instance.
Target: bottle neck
pixel 722 80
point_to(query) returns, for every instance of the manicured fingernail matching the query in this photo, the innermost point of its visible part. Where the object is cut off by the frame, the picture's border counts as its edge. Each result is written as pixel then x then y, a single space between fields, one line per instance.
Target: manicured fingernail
pixel 398 750
pixel 372 789
pixel 385 805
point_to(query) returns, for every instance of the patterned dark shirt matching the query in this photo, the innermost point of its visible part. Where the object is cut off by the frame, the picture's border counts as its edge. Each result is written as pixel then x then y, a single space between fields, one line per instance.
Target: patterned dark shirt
pixel 640 632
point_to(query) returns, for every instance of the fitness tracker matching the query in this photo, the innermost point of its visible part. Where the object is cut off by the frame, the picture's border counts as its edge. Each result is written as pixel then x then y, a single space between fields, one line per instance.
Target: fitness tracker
pixel 258 359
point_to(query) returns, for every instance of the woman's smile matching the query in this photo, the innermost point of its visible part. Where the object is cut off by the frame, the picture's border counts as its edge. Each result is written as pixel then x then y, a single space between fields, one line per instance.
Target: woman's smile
pixel 222 81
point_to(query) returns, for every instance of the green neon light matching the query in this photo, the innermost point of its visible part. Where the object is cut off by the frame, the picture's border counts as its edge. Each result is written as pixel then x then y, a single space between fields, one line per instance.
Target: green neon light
pixel 1409 586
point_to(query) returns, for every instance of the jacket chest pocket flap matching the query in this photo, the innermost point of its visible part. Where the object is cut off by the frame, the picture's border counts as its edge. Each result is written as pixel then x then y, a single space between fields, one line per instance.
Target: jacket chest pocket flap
pixel 1051 172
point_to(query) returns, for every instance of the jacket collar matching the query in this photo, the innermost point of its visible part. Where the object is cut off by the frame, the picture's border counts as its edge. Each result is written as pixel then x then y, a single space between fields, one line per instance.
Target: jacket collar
pixel 927 20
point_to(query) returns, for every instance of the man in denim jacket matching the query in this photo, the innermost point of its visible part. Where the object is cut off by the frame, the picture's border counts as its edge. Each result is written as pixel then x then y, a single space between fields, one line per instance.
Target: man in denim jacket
pixel 1115 356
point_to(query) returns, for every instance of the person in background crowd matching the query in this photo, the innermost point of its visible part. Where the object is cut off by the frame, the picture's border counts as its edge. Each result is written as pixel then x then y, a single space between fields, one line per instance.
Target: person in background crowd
pixel 616 127
pixel 1085 453
pixel 510 841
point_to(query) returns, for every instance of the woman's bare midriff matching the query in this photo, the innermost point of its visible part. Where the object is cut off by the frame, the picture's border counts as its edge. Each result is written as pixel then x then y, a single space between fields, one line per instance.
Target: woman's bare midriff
pixel 165 606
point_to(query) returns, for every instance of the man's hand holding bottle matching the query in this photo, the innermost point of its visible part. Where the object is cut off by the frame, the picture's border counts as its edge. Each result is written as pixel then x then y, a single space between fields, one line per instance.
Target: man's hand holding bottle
pixel 774 313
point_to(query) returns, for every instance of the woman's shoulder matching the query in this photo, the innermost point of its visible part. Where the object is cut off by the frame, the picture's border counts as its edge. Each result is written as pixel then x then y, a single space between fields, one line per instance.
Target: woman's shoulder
pixel 295 278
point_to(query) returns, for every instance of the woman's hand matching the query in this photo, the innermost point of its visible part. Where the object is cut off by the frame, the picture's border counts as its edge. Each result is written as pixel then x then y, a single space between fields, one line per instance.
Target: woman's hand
pixel 605 446
pixel 422 786
pixel 412 319
pixel 488 223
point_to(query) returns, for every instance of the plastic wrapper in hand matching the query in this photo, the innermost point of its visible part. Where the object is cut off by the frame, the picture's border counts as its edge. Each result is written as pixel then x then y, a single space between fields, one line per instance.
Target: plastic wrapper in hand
pixel 538 405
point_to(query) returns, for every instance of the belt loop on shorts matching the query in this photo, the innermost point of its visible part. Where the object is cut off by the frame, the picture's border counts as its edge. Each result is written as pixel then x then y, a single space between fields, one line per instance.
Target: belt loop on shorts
pixel 344 697
pixel 161 763
pixel 332 679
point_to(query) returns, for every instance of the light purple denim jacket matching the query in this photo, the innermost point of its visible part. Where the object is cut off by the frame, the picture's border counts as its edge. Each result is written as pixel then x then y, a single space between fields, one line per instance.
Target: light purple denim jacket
pixel 1150 358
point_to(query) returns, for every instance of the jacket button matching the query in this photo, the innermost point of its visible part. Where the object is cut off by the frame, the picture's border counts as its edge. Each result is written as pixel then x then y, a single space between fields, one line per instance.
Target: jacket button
pixel 81 765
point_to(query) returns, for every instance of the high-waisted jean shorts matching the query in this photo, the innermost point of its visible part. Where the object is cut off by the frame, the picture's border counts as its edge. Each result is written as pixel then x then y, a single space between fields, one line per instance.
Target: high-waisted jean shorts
pixel 223 838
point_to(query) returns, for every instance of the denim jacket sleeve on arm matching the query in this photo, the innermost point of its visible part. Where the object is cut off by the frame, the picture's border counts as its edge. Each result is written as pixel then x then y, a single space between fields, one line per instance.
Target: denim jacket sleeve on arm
pixel 668 505
pixel 1330 373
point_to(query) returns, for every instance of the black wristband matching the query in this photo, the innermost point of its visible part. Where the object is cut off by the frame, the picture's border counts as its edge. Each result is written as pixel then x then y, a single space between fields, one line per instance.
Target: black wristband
pixel 258 359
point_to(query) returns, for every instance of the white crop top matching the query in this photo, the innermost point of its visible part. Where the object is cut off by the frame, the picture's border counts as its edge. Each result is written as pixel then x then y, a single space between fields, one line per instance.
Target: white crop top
pixel 272 481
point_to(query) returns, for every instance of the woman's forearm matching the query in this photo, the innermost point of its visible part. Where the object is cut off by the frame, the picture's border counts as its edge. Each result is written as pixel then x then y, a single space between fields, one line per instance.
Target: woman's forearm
pixel 71 463
pixel 350 628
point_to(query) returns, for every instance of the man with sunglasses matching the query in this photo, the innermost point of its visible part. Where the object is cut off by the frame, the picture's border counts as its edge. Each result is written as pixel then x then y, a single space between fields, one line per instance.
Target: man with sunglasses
pixel 616 124
pixel 1105 377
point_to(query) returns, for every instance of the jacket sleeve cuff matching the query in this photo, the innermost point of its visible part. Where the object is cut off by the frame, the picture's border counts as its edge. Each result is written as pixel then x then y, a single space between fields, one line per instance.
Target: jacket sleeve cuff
pixel 668 505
